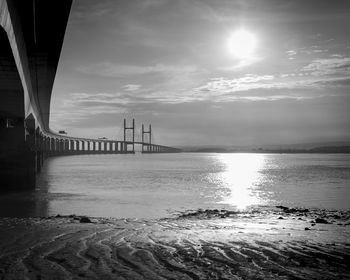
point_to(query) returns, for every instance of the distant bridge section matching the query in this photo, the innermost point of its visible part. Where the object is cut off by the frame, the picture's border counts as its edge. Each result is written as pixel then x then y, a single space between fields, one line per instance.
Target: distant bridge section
pixel 31 38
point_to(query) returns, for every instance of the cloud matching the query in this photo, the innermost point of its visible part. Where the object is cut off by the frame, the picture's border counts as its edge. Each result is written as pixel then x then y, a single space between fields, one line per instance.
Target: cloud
pixel 108 69
pixel 131 87
pixel 329 66
pixel 291 53
pixel 222 86
pixel 272 87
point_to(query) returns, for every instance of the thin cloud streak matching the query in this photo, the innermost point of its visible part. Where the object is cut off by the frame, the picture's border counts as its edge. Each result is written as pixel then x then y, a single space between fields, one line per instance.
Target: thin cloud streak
pixel 108 69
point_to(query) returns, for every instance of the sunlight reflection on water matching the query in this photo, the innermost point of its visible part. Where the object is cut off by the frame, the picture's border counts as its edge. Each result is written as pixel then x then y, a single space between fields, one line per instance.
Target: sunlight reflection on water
pixel 240 177
pixel 162 185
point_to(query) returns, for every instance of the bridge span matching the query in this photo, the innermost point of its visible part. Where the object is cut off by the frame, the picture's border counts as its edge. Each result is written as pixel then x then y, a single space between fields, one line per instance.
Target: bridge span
pixel 31 38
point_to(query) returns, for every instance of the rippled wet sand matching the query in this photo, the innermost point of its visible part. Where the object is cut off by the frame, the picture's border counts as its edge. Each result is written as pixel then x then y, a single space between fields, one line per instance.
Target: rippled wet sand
pixel 283 243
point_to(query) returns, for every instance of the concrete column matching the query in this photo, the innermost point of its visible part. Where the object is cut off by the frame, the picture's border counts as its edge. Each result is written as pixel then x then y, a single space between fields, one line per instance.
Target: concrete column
pixel 52 145
pixel 66 146
pixel 115 147
pixel 94 146
pixel 71 148
pixel 47 144
pixel 57 146
pixel 39 154
pixel 104 146
pixel 77 148
pixel 48 140
pixel 44 144
pixel 61 146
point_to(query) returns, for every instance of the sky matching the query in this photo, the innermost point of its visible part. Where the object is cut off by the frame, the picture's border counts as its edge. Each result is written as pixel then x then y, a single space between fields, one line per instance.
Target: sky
pixel 178 65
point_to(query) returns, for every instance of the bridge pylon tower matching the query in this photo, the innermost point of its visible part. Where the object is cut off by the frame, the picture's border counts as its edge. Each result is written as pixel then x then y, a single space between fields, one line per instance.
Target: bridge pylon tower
pixel 149 144
pixel 126 143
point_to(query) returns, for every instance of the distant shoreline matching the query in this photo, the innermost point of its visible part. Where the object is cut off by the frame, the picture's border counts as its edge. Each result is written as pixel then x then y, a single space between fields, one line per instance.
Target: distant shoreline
pixel 316 150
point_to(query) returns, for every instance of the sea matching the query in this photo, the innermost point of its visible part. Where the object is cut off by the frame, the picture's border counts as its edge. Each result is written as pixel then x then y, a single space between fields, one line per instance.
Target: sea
pixel 153 186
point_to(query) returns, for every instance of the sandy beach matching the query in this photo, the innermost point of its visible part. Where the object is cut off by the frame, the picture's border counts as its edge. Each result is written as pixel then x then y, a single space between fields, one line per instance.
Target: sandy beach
pixel 279 243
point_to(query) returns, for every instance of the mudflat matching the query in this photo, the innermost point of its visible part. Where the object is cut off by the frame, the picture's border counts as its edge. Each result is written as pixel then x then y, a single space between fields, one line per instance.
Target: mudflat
pixel 279 243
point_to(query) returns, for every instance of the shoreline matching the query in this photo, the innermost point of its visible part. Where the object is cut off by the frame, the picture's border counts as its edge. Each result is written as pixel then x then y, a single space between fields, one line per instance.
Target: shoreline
pixel 287 243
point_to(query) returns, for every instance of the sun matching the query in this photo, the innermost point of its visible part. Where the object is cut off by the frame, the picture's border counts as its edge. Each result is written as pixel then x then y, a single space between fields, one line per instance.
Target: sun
pixel 242 44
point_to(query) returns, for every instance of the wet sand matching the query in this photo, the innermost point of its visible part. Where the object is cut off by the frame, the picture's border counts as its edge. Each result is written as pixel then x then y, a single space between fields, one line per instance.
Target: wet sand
pixel 279 243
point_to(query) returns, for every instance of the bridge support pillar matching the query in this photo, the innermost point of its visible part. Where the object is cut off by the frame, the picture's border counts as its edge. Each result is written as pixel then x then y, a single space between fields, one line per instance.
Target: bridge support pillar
pixel 57 146
pixel 61 146
pixel 71 146
pixel 47 145
pixel 66 146
pixel 77 148
pixel 52 146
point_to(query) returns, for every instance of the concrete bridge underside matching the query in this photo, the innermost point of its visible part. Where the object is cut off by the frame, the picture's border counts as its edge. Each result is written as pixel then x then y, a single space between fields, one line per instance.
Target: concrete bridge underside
pixel 31 38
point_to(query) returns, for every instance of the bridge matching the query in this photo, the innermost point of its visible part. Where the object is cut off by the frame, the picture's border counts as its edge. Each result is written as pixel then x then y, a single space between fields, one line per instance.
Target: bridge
pixel 65 145
pixel 31 38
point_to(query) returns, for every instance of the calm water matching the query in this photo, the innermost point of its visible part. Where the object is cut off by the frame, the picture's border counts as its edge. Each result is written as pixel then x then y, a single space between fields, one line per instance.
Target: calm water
pixel 152 186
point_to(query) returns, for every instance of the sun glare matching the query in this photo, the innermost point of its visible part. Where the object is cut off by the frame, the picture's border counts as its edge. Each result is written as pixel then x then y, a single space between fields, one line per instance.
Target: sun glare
pixel 242 44
pixel 240 177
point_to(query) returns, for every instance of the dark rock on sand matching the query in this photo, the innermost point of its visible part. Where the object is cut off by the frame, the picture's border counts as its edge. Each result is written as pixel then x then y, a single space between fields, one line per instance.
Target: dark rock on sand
pixel 321 221
pixel 85 220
